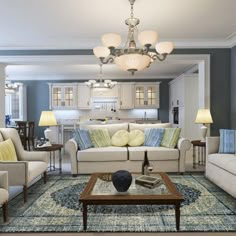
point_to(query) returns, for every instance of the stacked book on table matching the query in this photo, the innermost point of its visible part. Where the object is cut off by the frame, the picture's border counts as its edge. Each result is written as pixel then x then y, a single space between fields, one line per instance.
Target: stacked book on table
pixel 149 181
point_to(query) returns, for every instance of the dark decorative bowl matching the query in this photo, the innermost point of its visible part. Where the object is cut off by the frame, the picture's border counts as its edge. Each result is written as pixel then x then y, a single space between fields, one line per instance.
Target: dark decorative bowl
pixel 121 180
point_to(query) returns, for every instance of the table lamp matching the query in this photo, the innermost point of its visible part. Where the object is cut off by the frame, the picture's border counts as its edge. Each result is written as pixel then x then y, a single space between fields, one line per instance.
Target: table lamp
pixel 203 117
pixel 47 118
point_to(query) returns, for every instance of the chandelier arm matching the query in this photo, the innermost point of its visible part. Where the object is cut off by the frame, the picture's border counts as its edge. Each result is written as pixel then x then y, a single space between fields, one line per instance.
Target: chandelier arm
pixel 107 60
pixel 160 57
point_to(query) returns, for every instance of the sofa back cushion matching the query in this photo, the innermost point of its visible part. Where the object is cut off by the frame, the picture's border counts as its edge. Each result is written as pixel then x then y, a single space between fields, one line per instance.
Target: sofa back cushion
pixel 7 151
pixel 227 141
pixel 82 138
pixel 100 137
pixel 136 138
pixel 171 137
pixel 112 128
pixel 1 138
pixel 142 127
pixel 153 137
pixel 120 138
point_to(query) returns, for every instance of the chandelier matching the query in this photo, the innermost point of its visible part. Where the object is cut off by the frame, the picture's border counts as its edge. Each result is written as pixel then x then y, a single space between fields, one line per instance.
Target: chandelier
pixel 130 58
pixel 100 83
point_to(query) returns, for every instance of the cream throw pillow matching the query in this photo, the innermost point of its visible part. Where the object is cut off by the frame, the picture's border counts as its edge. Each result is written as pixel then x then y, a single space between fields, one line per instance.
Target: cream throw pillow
pixel 7 151
pixel 120 138
pixel 136 138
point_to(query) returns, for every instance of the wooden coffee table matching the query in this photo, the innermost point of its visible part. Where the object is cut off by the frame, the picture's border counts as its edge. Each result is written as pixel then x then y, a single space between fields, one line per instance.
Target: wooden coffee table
pixel 100 191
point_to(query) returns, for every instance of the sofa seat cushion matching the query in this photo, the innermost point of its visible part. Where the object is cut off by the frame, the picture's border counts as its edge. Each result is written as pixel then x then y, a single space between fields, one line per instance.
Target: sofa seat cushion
pixel 36 168
pixel 4 195
pixel 224 161
pixel 103 154
pixel 154 153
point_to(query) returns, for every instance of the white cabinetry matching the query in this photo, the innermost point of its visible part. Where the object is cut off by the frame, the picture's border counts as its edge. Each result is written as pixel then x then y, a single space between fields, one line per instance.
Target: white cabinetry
pixel 176 98
pixel 104 92
pixel 62 95
pixel 126 95
pixel 84 94
pixel 184 96
pixel 146 95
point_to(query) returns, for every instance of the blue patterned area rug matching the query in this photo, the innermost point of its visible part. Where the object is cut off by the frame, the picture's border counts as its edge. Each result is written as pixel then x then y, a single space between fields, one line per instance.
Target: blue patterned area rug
pixel 54 207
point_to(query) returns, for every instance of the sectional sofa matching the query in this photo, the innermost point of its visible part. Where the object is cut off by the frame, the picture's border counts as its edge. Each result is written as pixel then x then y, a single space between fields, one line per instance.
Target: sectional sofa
pixel 220 167
pixel 110 159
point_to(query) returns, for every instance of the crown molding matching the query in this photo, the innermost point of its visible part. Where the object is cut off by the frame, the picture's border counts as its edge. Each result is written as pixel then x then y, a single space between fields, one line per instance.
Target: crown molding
pixel 228 42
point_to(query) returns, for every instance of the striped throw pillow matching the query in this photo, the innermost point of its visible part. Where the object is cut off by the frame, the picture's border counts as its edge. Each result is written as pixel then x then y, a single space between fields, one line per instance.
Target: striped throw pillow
pixel 7 151
pixel 171 137
pixel 100 137
pixel 227 141
pixel 82 138
pixel 153 137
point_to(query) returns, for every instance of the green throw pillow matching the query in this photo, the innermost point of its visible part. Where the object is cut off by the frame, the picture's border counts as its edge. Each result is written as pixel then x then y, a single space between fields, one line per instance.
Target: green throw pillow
pixel 120 138
pixel 100 137
pixel 171 137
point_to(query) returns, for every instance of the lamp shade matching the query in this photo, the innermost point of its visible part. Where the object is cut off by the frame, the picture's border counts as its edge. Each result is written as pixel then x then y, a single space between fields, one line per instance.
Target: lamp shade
pixel 111 40
pixel 147 37
pixel 164 47
pixel 203 117
pixel 129 62
pixel 101 52
pixel 47 118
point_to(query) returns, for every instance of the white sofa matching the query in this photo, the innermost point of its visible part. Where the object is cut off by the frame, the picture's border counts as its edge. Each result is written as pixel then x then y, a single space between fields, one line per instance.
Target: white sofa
pixel 110 159
pixel 220 167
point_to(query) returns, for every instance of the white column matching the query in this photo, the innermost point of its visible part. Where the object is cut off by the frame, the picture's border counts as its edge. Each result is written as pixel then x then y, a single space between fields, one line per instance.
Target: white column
pixel 2 95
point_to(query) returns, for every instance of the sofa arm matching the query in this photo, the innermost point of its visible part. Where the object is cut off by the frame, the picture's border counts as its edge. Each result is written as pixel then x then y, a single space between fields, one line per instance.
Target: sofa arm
pixel 4 179
pixel 183 145
pixel 17 172
pixel 71 148
pixel 34 156
pixel 212 145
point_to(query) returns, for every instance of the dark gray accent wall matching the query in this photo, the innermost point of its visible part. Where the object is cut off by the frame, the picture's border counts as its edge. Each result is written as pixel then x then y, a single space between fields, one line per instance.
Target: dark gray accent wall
pixel 233 89
pixel 220 79
pixel 220 85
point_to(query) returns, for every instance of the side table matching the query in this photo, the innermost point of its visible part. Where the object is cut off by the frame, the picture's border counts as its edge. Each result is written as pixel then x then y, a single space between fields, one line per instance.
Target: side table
pixel 201 154
pixel 52 149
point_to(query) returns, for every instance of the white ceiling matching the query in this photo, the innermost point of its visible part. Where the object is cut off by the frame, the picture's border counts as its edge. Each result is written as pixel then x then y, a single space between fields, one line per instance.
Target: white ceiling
pixel 79 24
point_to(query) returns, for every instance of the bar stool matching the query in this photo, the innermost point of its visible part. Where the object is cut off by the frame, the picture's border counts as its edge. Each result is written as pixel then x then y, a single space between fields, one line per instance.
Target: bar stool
pixel 22 130
pixel 30 135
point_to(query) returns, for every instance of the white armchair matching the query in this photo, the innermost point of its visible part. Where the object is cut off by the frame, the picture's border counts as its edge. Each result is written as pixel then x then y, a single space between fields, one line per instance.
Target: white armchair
pixel 28 166
pixel 4 195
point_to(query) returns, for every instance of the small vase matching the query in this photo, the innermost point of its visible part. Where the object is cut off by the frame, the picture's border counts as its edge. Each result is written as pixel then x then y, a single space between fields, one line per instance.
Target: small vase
pixel 121 180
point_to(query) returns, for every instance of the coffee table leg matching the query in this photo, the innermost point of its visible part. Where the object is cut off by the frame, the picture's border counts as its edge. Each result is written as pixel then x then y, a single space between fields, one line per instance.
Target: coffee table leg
pixel 85 216
pixel 177 216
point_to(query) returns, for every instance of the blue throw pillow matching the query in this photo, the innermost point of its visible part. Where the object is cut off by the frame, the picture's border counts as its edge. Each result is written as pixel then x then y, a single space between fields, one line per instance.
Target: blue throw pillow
pixel 153 137
pixel 82 137
pixel 227 141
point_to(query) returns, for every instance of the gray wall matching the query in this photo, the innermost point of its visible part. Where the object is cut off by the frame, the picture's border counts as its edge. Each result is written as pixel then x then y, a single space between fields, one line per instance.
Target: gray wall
pixel 220 80
pixel 233 89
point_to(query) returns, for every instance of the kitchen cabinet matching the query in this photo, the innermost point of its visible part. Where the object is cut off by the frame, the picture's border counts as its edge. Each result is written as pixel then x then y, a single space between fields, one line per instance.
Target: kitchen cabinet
pixel 176 90
pixel 63 95
pixel 84 95
pixel 147 95
pixel 126 95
